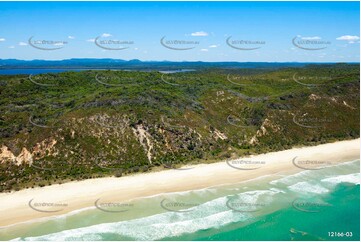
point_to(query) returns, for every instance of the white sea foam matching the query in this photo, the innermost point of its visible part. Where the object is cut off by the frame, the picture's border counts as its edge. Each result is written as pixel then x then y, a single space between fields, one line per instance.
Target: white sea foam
pixel 258 195
pixel 306 187
pixel 350 178
pixel 276 190
pixel 291 179
pixel 308 175
pixel 154 228
pixel 211 214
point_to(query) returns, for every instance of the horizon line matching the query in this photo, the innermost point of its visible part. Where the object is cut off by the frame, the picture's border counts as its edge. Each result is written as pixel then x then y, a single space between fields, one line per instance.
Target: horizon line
pixel 325 62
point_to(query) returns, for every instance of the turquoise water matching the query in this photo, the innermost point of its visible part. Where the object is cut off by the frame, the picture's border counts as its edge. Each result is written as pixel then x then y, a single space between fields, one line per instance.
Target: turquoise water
pixel 291 224
pixel 309 205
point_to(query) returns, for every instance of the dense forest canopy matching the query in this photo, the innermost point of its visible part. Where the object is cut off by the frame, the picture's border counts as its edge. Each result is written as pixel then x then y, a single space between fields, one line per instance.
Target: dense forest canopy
pixel 93 123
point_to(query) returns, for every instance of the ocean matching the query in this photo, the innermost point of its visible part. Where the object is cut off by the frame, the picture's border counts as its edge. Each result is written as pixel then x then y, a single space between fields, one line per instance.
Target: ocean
pixel 319 204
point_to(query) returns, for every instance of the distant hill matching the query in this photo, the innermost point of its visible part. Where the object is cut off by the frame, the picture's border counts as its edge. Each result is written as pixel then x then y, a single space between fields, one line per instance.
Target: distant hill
pixel 137 64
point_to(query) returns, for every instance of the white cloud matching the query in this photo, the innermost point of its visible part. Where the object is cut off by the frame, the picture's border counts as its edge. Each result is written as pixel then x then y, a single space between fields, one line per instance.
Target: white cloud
pixel 205 50
pixel 213 46
pixel 349 38
pixel 311 38
pixel 12 47
pixel 22 44
pixel 59 44
pixel 90 40
pixel 199 33
pixel 106 35
pixel 2 39
pixel 71 37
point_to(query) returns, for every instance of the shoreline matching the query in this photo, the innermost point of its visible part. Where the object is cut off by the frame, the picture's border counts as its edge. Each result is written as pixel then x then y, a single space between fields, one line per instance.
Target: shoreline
pixel 80 195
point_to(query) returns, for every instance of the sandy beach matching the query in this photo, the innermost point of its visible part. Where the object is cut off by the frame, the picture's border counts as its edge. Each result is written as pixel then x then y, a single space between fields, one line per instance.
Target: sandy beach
pixel 81 194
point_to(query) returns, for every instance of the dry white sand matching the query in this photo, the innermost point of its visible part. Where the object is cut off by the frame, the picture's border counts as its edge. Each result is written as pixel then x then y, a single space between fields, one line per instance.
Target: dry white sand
pixel 14 207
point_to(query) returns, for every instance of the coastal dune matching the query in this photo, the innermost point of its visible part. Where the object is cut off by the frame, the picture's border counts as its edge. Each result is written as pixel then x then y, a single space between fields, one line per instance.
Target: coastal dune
pixel 21 206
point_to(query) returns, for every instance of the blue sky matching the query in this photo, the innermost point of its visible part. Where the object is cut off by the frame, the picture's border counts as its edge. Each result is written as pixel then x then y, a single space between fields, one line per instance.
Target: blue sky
pixel 256 31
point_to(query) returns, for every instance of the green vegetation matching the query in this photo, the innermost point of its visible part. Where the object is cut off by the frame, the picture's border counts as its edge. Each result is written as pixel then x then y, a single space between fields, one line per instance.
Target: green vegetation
pixel 74 126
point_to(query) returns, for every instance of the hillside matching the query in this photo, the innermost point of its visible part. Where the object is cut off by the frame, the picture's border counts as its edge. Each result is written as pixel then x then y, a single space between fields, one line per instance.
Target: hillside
pixel 78 125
